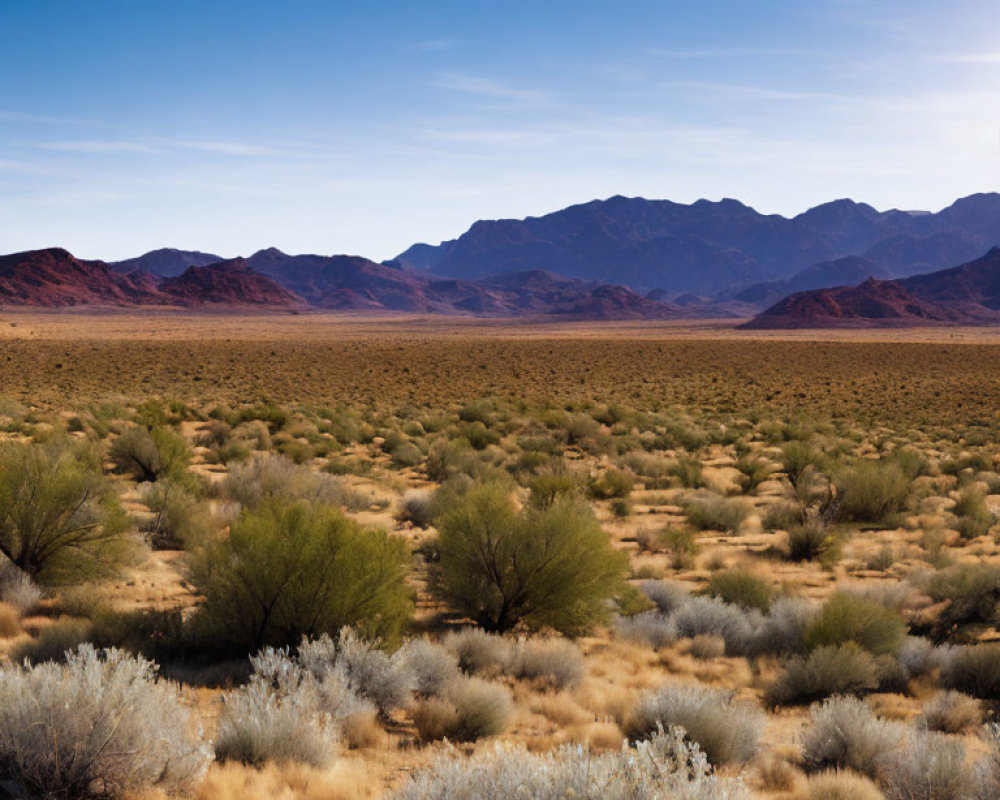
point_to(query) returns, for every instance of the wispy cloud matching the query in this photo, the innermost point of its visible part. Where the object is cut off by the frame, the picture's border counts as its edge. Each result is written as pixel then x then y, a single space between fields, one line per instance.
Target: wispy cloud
pixel 708 53
pixel 44 119
pixel 231 148
pixel 754 92
pixel 436 45
pixel 969 58
pixel 97 147
pixel 487 87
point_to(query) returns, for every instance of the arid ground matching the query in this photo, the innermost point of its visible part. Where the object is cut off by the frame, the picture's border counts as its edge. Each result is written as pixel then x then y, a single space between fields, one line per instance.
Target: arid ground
pixel 701 449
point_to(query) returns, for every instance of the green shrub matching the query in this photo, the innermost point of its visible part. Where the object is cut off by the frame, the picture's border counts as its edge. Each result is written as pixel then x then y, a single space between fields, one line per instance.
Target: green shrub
pixel 291 570
pixel 60 521
pixel 870 491
pixel 797 456
pixel 711 512
pixel 743 588
pixel 149 455
pixel 551 566
pixel 974 517
pixel 755 470
pixel 850 618
pixel 180 519
pixel 826 671
pixel 813 539
pixel 972 592
pixel 612 483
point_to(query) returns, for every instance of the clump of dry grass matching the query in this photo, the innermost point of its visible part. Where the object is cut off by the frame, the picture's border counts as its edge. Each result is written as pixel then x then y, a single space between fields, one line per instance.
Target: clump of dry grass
pixel 346 780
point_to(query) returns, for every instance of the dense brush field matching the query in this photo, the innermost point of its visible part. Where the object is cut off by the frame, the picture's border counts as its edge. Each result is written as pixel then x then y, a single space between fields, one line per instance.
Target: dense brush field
pixel 457 566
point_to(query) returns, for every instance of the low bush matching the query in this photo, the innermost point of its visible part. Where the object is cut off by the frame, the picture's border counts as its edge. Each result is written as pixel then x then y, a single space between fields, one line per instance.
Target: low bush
pixel 797 456
pixel 974 517
pixel 99 726
pixel 151 454
pixel 709 616
pixel 844 733
pixel 478 652
pixel 726 730
pixel 841 786
pixel 784 629
pixel 289 571
pixel 742 588
pixel 612 483
pixel 870 491
pixel 974 670
pixel 664 766
pixel 782 515
pixel 385 680
pixel 971 591
pixel 267 478
pixel 555 662
pixel 471 709
pixel 17 589
pixel 952 712
pixel 826 671
pixel 432 666
pixel 930 766
pixel 712 512
pixel 648 627
pixel 542 567
pixel 847 617
pixel 667 596
pixel 812 540
pixel 60 520
pixel 417 507
pixel 180 519
pixel 285 713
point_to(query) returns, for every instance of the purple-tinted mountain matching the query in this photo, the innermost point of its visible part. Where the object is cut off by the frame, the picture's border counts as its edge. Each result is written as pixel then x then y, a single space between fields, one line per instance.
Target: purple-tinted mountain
pixel 167 262
pixel 968 294
pixel 712 248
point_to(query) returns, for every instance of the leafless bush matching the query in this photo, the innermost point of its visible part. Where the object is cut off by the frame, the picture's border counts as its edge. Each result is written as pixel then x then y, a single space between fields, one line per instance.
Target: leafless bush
pixel 266 477
pixel 709 616
pixel 369 671
pixel 478 652
pixel 470 709
pixel 930 766
pixel 844 733
pixel 667 596
pixel 728 731
pixel 665 766
pixel 98 726
pixel 785 626
pixel 649 627
pixel 17 589
pixel 557 662
pixel 432 666
pixel 952 712
pixel 826 671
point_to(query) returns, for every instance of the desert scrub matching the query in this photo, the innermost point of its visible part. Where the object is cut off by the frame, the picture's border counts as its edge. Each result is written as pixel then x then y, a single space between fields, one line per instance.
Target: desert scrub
pixel 557 663
pixel 707 616
pixel 291 570
pixel 974 518
pixel 285 712
pixel 101 725
pixel 826 671
pixel 797 457
pixel 871 491
pixel 835 785
pixel 726 730
pixel 467 710
pixel 974 670
pixel 150 454
pixel 17 589
pixel 651 628
pixel 755 469
pixel 813 540
pixel 180 518
pixel 844 733
pixel 60 520
pixel 952 712
pixel 479 652
pixel 707 511
pixel 432 666
pixel 929 766
pixel 742 588
pixel 267 478
pixel 972 592
pixel 664 766
pixel 612 483
pixel 546 567
pixel 782 515
pixel 847 617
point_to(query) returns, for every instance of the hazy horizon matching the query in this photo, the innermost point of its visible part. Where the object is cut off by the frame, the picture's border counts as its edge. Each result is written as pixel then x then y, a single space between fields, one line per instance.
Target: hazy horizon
pixel 364 130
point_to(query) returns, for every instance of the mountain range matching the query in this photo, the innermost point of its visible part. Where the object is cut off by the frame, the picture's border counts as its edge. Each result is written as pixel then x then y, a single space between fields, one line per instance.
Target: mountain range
pixel 968 294
pixel 616 258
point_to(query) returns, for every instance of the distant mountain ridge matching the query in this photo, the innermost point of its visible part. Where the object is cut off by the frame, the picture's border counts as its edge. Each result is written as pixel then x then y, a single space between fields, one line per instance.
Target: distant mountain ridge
pixel 712 248
pixel 968 294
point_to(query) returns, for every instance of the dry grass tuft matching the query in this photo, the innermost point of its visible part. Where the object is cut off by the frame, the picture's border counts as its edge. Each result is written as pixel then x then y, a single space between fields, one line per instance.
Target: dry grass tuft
pixel 346 780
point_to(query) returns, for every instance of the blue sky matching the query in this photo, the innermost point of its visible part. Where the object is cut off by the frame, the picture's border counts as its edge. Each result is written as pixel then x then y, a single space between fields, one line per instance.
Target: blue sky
pixel 364 127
